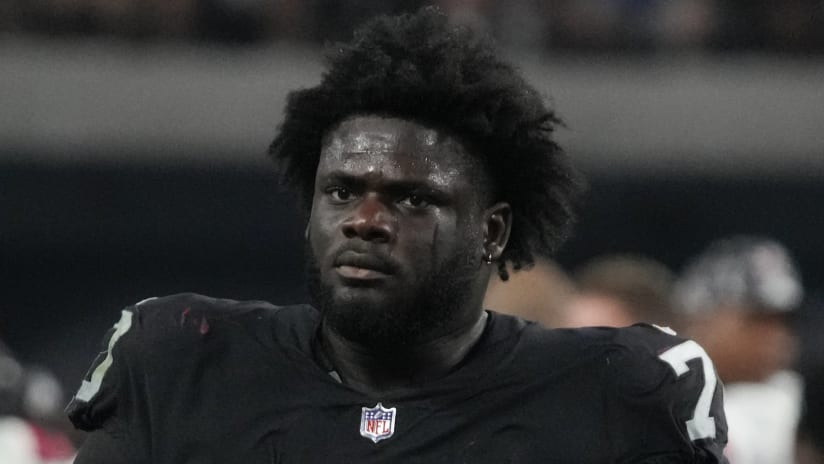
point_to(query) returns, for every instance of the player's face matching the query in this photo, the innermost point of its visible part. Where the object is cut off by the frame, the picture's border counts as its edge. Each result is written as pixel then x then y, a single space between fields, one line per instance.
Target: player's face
pixel 746 345
pixel 397 232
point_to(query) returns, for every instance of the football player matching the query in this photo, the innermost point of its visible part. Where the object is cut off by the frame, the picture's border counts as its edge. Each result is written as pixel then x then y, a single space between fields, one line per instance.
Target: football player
pixel 425 163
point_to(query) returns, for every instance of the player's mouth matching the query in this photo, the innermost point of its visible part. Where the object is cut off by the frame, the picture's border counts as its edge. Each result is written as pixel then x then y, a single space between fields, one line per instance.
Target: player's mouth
pixel 354 266
pixel 359 273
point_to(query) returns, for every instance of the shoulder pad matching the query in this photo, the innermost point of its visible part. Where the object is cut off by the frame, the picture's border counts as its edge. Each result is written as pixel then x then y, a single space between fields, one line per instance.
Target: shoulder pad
pixel 667 388
pixel 142 336
pixel 94 401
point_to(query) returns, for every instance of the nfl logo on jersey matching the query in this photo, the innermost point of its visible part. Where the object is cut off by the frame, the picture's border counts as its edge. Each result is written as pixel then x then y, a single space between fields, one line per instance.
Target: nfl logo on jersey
pixel 377 423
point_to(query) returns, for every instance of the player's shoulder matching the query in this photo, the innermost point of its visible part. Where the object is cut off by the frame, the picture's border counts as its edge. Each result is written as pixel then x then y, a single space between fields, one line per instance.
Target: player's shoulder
pixel 644 341
pixel 660 392
pixel 157 336
pixel 636 358
pixel 664 386
pixel 170 309
pixel 642 355
pixel 660 373
pixel 639 341
pixel 173 317
pixel 147 331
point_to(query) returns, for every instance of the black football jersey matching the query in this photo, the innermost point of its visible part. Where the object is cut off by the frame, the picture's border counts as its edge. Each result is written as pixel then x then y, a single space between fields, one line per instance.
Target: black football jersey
pixel 191 379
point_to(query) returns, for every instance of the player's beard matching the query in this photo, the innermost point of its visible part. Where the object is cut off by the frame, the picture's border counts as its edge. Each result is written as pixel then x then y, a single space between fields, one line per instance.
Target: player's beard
pixel 437 307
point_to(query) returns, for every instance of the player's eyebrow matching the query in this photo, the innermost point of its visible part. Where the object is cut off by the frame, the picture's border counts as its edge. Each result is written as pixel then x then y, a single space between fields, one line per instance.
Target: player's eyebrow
pixel 404 187
pixel 390 186
pixel 343 178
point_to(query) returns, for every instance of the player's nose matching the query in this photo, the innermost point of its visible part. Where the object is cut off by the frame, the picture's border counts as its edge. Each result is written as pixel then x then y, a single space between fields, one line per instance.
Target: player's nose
pixel 371 220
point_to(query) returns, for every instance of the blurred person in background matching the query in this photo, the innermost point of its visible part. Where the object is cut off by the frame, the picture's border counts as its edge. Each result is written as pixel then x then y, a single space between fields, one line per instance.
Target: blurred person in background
pixel 608 291
pixel 11 383
pixel 30 415
pixel 620 290
pixel 736 298
pixel 538 294
pixel 810 437
pixel 809 326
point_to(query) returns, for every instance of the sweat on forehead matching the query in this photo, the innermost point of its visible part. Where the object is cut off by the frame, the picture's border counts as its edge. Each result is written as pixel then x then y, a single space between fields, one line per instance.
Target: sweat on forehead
pixel 372 134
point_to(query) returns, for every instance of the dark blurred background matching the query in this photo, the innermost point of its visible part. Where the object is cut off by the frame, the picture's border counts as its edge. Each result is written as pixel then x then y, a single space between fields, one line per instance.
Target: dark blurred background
pixel 133 136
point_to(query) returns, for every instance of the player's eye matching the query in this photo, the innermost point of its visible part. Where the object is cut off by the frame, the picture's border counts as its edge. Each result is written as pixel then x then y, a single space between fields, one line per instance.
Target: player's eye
pixel 339 194
pixel 415 201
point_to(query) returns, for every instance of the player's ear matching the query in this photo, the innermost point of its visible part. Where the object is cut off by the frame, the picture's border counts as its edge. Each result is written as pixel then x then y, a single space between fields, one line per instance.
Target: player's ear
pixel 497 226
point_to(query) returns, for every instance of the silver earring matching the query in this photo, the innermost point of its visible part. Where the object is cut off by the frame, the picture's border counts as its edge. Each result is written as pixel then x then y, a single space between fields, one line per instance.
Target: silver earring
pixel 488 258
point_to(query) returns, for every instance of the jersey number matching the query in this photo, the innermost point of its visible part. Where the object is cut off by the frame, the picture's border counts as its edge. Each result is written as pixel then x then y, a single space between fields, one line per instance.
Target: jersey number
pixel 701 425
pixel 89 388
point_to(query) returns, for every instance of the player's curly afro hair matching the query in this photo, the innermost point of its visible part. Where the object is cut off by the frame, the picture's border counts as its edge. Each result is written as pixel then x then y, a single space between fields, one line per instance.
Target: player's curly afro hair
pixel 420 67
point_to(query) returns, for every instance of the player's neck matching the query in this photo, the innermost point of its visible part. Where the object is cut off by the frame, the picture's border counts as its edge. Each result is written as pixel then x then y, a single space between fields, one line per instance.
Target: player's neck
pixel 375 373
